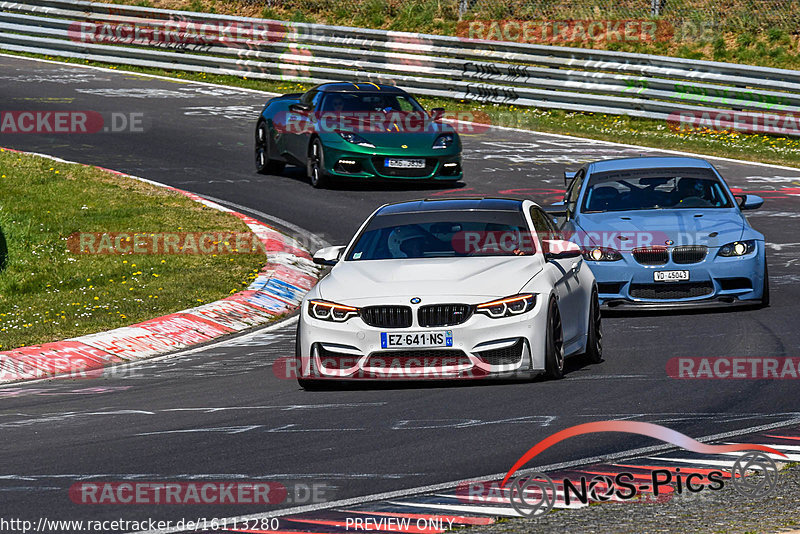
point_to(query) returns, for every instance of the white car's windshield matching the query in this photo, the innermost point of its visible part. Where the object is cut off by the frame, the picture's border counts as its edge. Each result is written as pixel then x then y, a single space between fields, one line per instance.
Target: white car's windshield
pixel 444 234
pixel 645 189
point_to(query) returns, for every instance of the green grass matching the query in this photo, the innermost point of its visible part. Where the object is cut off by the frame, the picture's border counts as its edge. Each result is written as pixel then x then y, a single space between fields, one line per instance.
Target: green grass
pixel 48 293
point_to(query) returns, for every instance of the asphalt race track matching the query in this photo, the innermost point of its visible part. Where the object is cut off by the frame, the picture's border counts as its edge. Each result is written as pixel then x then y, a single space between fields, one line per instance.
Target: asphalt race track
pixel 221 413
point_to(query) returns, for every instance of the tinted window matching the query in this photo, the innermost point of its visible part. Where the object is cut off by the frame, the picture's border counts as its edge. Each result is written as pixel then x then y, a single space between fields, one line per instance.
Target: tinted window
pixel 542 223
pixel 574 190
pixel 443 234
pixel 349 102
pixel 645 189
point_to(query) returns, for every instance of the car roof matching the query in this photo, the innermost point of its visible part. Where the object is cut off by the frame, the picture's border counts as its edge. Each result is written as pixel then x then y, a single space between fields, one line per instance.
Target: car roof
pixel 452 204
pixel 647 162
pixel 356 87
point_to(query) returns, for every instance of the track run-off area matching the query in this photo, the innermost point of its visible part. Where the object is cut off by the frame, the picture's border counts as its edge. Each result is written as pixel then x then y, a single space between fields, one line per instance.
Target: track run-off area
pixel 221 412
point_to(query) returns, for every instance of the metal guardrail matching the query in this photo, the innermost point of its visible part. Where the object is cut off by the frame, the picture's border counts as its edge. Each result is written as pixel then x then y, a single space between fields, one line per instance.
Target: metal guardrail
pixel 573 79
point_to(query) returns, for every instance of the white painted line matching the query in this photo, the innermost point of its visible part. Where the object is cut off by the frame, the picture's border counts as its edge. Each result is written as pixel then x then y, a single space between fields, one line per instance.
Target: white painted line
pixel 695 461
pixel 475 509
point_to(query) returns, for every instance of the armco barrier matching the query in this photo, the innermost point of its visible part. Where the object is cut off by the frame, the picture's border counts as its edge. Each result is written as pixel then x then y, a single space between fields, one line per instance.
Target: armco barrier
pixel 277 290
pixel 523 74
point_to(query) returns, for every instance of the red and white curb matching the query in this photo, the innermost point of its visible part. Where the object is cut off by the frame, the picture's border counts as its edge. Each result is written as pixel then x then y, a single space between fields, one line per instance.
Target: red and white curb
pixel 277 290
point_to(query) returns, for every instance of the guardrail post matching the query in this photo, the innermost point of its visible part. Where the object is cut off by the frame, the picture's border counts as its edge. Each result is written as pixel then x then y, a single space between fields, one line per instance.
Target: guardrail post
pixel 655 8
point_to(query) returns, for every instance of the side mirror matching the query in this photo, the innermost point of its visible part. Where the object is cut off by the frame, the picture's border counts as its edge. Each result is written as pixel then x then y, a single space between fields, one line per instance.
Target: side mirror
pixel 568 176
pixel 556 249
pixel 299 108
pixel 749 202
pixel 556 209
pixel 437 113
pixel 328 255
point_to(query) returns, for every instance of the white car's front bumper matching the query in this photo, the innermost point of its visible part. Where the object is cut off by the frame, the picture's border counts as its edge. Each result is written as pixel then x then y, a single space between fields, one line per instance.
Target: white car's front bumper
pixel 482 347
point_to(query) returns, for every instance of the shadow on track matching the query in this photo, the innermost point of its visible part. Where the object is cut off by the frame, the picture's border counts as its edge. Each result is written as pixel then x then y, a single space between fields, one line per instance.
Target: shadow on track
pixel 368 184
pixel 571 365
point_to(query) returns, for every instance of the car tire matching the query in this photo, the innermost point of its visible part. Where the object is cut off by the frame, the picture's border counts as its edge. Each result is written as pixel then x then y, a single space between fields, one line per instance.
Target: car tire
pixel 594 334
pixel 265 165
pixel 554 344
pixel 765 293
pixel 316 165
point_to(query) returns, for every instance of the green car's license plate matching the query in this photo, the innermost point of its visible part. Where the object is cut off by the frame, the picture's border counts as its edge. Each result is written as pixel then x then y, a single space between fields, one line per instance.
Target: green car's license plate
pixel 404 163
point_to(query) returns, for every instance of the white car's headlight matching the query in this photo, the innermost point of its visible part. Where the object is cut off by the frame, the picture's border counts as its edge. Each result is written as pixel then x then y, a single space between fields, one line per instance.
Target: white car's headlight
pixel 737 248
pixel 508 306
pixel 330 311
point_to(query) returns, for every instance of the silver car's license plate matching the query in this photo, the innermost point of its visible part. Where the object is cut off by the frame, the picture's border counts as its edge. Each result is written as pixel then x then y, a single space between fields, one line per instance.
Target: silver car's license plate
pixel 404 163
pixel 670 276
pixel 390 340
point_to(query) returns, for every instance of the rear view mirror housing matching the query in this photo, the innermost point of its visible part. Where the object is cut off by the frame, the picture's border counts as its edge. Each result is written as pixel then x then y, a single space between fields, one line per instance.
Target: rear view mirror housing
pixel 328 255
pixel 749 202
pixel 557 249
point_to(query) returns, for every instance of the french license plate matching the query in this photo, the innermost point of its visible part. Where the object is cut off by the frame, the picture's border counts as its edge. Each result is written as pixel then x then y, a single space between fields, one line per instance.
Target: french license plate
pixel 416 339
pixel 670 276
pixel 404 163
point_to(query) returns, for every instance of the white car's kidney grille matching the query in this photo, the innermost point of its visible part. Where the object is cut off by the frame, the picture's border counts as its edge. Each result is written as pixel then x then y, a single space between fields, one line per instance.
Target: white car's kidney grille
pixel 387 316
pixel 443 314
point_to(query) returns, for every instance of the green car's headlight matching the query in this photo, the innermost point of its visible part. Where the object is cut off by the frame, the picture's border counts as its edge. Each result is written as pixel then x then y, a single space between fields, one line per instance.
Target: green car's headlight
pixel 737 248
pixel 354 138
pixel 444 141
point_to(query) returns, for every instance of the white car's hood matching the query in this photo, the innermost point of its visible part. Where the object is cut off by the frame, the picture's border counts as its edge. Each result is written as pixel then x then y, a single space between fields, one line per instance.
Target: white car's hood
pixel 483 277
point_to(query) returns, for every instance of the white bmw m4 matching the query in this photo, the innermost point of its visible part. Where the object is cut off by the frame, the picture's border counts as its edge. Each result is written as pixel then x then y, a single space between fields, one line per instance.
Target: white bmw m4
pixel 449 289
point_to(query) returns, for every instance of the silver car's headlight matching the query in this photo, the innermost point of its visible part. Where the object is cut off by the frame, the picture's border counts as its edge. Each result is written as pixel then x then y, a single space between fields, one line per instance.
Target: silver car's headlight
pixel 508 306
pixel 737 248
pixel 330 311
pixel 601 254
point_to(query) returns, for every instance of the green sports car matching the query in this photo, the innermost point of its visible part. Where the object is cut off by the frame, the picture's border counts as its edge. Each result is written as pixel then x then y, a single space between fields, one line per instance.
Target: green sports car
pixel 361 131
